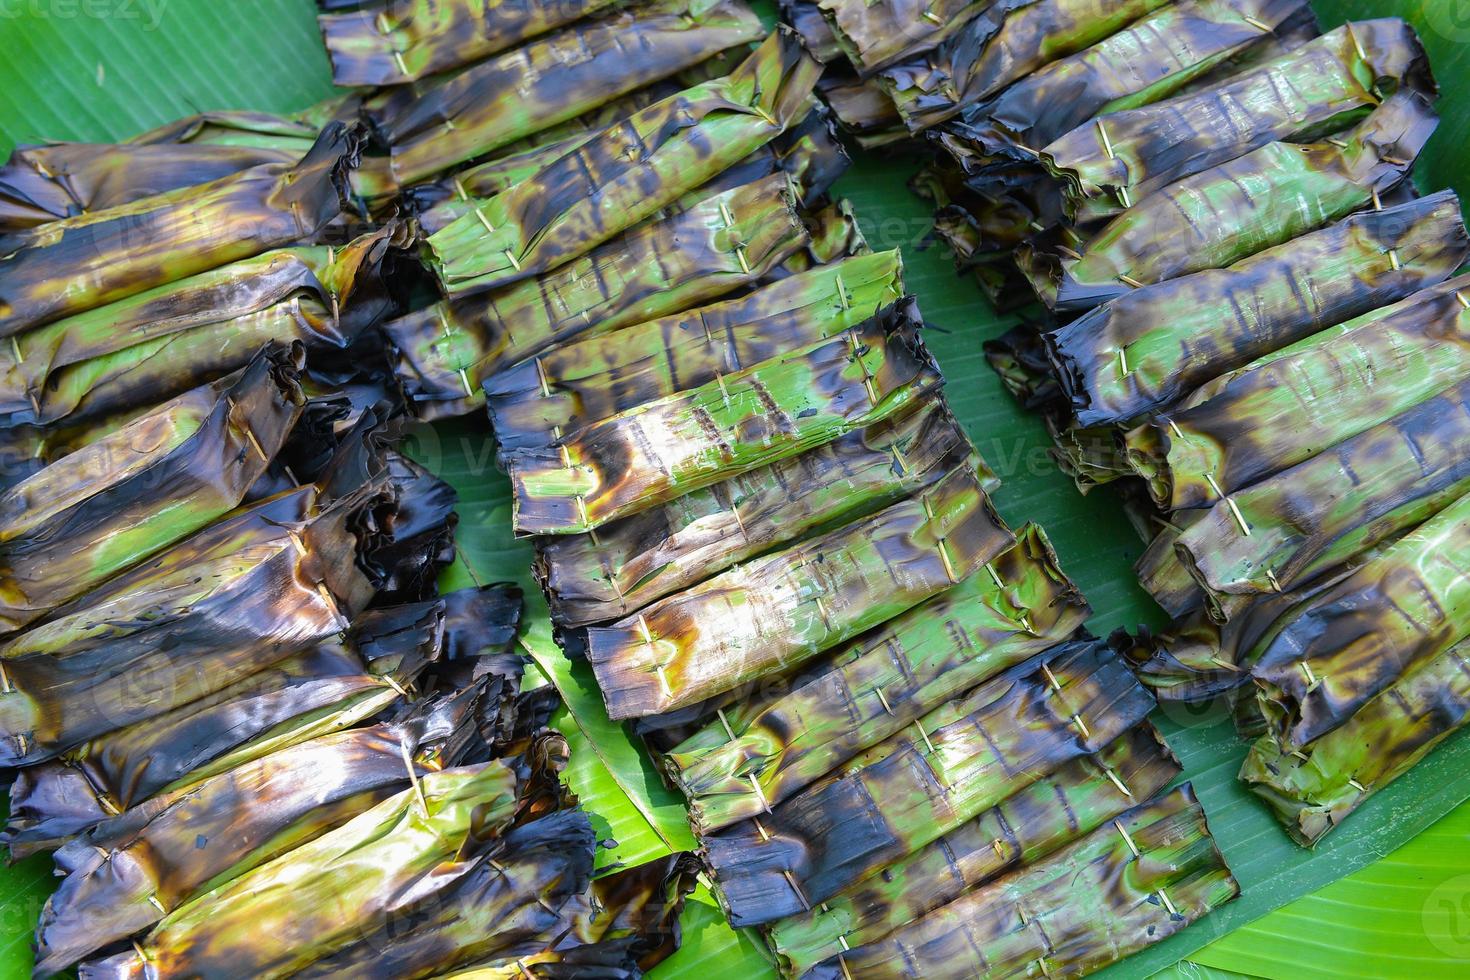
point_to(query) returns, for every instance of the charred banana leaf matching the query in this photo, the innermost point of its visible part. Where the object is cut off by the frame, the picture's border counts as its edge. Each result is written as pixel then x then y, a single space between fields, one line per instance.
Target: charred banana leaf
pixel 808 21
pixel 552 80
pixel 1321 87
pixel 1315 789
pixel 765 749
pixel 1005 42
pixel 66 267
pixel 149 347
pixel 342 886
pixel 1149 348
pixel 1147 61
pixel 771 411
pixel 719 634
pixel 404 40
pixel 534 404
pixel 1317 514
pixel 126 874
pixel 104 509
pixel 1218 217
pixel 223 604
pixel 444 353
pixel 876 35
pixel 1351 641
pixel 863 108
pixel 626 173
pixel 1055 810
pixel 1129 884
pixel 629 563
pixel 1287 407
pixel 937 775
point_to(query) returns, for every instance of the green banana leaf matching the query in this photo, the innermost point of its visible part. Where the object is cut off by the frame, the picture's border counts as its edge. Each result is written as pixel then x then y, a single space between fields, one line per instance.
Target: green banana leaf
pixel 1401 917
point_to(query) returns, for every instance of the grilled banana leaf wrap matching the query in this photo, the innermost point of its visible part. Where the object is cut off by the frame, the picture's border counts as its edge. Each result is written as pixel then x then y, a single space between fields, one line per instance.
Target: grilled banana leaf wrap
pixel 1222 215
pixel 76 264
pixel 1130 883
pixel 1122 157
pixel 1148 349
pixel 765 749
pixel 550 81
pixel 443 354
pixel 1062 806
pixel 1287 407
pixel 932 778
pixel 876 35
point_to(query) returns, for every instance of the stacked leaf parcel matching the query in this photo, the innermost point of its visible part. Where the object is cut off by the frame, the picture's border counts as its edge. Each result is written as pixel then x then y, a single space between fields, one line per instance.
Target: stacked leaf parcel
pixel 256 738
pixel 1251 328
pixel 756 517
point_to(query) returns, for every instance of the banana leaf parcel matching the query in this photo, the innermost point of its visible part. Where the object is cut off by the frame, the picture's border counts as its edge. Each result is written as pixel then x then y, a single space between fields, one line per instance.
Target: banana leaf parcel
pixel 552 80
pixel 774 612
pixel 1130 883
pixel 1149 60
pixel 1351 641
pixel 1005 42
pixel 444 353
pixel 627 564
pixel 1149 348
pixel 518 895
pixel 126 874
pixel 1321 87
pixel 1053 811
pixel 1289 406
pixel 765 749
pixel 534 404
pixel 332 891
pixel 224 603
pixel 1215 218
pixel 404 40
pixel 937 775
pixel 1323 511
pixel 626 173
pixel 151 346
pixel 66 267
pixel 770 411
pixel 1314 789
pixel 108 507
pixel 876 35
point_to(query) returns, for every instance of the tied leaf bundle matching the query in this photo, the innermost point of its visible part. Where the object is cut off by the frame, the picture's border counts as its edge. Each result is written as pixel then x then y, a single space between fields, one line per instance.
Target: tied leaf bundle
pixel 404 40
pixel 768 747
pixel 1316 788
pixel 1327 83
pixel 1005 42
pixel 1251 423
pixel 724 632
pixel 1071 802
pixel 1149 60
pixel 233 598
pixel 1268 196
pixel 534 404
pixel 105 508
pixel 630 563
pixel 715 246
pixel 1320 513
pixel 1126 885
pixel 341 884
pixel 140 350
pixel 69 266
pixel 1345 645
pixel 626 173
pixel 938 774
pixel 554 79
pixel 1148 349
pixel 771 411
